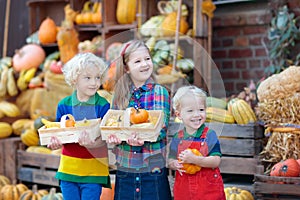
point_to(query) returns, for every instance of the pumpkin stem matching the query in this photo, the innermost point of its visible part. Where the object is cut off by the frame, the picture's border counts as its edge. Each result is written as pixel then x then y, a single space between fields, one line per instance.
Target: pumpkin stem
pixel 34 188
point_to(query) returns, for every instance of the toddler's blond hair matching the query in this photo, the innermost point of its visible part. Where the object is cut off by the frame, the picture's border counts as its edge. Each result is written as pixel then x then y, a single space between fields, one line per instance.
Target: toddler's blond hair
pixel 79 63
pixel 183 92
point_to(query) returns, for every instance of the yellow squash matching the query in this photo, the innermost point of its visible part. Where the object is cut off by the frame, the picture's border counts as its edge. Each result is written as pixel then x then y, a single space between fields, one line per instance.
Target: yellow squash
pixel 126 11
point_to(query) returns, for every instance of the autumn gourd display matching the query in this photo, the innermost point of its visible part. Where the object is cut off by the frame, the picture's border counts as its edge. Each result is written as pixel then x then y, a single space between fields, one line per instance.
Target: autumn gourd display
pixel 241 111
pixel 67 41
pixel 138 116
pixel 12 191
pixel 47 31
pixel 33 194
pixel 234 193
pixel 192 168
pixel 27 57
pixel 21 124
pixel 126 11
pixel 287 168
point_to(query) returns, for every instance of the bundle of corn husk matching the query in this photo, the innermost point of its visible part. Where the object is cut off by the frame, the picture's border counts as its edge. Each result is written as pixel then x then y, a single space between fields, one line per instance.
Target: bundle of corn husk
pixel 280 111
pixel 281 146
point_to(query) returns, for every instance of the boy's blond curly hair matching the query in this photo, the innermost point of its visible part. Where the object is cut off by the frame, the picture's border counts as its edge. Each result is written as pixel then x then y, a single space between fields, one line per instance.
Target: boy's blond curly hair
pixel 79 63
pixel 185 92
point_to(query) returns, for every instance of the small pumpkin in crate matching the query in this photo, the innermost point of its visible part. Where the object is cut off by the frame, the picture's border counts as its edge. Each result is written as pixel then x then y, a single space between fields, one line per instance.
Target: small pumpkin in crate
pixel 287 168
pixel 33 194
pixel 12 191
pixel 191 168
pixel 138 116
pixel 53 195
pixel 237 193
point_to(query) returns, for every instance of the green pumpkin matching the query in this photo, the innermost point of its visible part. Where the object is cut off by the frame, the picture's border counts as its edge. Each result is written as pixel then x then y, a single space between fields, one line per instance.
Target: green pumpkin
pixel 53 195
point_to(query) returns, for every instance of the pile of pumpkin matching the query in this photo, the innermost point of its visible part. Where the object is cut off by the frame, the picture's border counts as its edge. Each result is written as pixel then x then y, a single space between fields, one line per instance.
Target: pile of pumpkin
pixel 13 191
pixel 20 191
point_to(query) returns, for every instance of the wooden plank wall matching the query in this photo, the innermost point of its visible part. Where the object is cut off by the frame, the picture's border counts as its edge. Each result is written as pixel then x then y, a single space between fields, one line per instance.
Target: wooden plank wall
pixel 18 26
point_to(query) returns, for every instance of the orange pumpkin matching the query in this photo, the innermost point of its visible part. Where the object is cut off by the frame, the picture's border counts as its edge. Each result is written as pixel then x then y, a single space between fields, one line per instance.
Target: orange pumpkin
pixel 286 168
pixel 169 25
pixel 107 193
pixel 192 168
pixel 47 31
pixel 29 56
pixel 138 116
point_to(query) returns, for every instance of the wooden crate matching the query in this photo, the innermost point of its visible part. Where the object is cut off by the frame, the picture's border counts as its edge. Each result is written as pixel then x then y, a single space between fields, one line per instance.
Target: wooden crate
pixel 37 168
pixel 8 156
pixel 124 129
pixel 270 187
pixel 69 134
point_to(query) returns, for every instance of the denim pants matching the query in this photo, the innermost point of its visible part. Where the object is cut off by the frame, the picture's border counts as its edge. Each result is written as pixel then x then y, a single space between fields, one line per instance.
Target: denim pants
pixel 80 191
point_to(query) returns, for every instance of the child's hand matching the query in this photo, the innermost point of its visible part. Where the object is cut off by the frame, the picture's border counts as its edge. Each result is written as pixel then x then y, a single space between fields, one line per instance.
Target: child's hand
pixel 113 139
pixel 187 156
pixel 55 143
pixel 134 140
pixel 85 140
pixel 176 165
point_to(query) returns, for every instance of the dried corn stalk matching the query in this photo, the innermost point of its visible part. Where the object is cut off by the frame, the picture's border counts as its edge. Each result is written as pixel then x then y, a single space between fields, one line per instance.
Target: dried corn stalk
pixel 279 111
pixel 281 146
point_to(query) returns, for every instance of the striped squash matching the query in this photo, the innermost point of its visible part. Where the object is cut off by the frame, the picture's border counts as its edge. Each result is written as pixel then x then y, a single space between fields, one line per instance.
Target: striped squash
pixel 242 112
pixel 12 192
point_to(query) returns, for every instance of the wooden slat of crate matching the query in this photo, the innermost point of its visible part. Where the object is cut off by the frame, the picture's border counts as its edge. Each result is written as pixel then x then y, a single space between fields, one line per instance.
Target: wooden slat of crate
pixel 38 160
pixel 8 157
pixel 242 147
pixel 39 176
pixel 238 165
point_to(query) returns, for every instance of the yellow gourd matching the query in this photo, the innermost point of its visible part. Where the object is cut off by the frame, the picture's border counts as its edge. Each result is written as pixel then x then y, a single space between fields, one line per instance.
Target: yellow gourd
pixel 30 137
pixel 237 193
pixel 5 130
pixel 169 25
pixel 126 11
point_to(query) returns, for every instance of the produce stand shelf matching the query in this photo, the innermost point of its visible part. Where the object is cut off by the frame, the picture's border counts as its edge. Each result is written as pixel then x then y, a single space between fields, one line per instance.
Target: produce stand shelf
pixel 8 158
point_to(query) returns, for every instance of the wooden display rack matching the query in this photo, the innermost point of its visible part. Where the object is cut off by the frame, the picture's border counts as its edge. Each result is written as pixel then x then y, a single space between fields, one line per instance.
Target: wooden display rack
pixel 8 158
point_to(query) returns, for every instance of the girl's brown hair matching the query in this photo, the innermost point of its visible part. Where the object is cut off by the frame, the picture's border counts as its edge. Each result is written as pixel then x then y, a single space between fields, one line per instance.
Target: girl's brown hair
pixel 123 80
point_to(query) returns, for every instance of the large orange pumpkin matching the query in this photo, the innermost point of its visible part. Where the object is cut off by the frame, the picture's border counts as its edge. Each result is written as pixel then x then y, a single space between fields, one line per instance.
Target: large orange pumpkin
pixel 29 56
pixel 47 31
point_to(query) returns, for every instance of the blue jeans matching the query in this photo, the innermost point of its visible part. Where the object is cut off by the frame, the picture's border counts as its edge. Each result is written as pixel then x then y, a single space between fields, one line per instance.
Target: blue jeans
pixel 142 186
pixel 80 191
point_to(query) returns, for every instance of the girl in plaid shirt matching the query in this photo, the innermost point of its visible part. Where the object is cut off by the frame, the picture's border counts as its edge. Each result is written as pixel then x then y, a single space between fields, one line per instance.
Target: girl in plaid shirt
pixel 141 172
